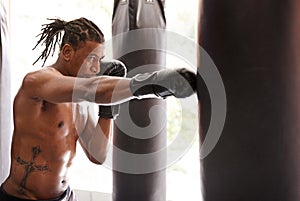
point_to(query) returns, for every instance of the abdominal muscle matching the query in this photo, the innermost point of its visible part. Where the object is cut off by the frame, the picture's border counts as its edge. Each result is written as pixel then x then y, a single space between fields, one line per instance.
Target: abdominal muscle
pixel 41 172
pixel 43 147
pixel 37 185
pixel 41 158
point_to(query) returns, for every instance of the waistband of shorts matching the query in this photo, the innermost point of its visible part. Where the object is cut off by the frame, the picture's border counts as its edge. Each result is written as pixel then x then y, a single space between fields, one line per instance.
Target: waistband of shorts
pixel 5 195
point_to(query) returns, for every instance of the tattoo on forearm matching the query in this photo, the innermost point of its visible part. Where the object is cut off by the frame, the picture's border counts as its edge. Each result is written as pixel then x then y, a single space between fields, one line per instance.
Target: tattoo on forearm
pixel 30 167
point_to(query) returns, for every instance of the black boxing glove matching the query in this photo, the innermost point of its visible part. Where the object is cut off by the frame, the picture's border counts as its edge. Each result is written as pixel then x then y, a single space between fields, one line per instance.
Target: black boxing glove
pixel 111 68
pixel 180 83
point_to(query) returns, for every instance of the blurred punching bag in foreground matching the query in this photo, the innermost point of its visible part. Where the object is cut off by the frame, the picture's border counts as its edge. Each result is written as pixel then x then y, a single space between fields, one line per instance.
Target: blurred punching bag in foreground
pixel 140 130
pixel 255 46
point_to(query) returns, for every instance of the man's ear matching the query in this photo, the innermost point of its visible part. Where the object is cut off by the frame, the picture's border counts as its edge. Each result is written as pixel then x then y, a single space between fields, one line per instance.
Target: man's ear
pixel 67 52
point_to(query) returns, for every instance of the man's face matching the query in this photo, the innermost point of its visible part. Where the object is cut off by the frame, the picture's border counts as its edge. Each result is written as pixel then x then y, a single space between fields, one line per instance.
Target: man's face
pixel 88 58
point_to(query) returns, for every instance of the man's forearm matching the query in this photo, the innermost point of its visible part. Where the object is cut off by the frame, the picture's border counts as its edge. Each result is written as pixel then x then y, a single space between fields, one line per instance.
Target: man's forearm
pixel 109 90
pixel 95 140
pixel 113 90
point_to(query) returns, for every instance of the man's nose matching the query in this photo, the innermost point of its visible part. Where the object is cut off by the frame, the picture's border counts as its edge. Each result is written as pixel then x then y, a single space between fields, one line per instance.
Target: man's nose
pixel 95 68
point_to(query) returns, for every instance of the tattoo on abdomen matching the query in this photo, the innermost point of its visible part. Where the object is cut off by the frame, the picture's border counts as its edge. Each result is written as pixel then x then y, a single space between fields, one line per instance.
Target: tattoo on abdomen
pixel 30 167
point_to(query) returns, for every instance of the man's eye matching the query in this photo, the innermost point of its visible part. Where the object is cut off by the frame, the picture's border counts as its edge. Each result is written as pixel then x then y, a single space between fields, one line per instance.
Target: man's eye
pixel 92 58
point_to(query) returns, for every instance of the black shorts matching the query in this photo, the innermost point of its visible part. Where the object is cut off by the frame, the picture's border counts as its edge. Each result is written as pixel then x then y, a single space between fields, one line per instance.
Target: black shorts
pixel 68 195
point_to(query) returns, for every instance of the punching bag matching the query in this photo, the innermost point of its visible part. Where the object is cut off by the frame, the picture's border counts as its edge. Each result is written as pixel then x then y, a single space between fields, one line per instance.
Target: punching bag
pixel 140 131
pixel 254 46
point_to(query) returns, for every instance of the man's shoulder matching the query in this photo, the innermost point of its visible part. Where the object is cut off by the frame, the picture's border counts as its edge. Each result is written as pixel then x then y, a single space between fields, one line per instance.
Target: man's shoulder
pixel 43 72
pixel 36 77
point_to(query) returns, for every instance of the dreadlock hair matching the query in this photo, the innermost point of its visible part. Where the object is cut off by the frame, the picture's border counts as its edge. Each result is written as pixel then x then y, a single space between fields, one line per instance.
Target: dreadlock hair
pixel 75 32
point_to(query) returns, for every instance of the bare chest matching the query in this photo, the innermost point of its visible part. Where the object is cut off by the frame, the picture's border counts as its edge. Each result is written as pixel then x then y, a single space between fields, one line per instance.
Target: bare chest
pixel 56 119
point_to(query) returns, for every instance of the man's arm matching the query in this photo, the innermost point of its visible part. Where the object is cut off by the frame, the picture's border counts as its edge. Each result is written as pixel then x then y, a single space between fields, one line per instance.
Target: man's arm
pixel 95 137
pixel 94 140
pixel 53 87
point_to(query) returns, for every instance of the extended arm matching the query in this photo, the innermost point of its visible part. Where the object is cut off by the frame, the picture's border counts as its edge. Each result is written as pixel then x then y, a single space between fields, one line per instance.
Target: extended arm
pixel 53 87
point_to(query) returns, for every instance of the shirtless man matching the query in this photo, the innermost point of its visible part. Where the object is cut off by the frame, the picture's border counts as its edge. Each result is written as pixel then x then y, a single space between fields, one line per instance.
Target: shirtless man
pixel 49 117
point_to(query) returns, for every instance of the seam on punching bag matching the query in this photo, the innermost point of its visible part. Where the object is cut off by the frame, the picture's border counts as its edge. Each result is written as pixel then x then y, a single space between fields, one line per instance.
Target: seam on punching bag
pixel 116 5
pixel 161 6
pixel 132 14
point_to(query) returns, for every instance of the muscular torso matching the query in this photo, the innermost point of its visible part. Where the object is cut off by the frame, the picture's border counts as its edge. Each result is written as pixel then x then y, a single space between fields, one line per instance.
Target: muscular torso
pixel 44 144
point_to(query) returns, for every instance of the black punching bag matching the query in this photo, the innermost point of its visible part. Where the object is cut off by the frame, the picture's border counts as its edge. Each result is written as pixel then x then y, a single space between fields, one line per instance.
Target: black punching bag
pixel 139 158
pixel 254 46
